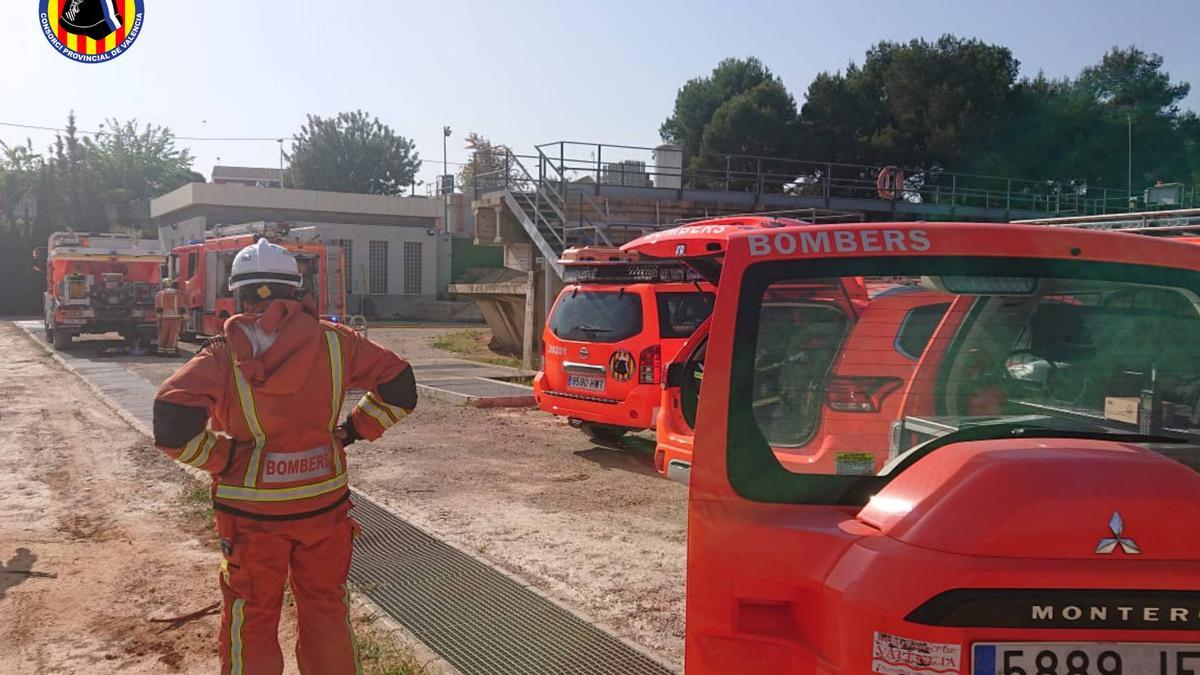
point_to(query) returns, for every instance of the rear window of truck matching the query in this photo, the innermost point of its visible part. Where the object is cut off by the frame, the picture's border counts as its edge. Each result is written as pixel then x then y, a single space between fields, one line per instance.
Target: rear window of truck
pixel 597 316
pixel 680 314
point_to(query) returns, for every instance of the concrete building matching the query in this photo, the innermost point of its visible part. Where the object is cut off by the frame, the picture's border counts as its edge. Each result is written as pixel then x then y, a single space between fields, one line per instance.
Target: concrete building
pixel 397 249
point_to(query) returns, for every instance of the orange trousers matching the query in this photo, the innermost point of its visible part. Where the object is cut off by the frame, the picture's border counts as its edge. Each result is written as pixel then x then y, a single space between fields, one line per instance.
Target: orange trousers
pixel 168 333
pixel 258 557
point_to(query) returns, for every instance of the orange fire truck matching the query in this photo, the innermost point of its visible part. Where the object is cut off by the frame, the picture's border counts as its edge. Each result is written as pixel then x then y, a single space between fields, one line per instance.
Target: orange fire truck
pixel 202 270
pixel 100 283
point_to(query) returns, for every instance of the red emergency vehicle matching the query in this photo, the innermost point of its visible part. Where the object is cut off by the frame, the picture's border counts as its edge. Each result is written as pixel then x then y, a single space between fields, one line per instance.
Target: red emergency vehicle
pixel 613 326
pixel 202 269
pixel 1041 514
pixel 100 283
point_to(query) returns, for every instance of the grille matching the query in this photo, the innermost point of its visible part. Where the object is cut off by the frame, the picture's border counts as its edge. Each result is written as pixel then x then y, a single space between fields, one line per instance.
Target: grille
pixel 474 617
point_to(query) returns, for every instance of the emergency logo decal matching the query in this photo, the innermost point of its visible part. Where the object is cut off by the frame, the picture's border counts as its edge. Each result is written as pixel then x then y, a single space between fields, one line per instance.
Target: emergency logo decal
pixel 91 31
pixel 621 365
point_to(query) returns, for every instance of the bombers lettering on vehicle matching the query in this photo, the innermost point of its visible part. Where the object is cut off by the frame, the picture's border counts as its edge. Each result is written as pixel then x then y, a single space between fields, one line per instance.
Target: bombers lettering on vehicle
pixel 839 241
pixel 683 230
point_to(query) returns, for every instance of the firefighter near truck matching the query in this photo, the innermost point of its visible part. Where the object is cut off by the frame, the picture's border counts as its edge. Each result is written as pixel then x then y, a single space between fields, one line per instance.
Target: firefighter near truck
pixel 100 283
pixel 1039 512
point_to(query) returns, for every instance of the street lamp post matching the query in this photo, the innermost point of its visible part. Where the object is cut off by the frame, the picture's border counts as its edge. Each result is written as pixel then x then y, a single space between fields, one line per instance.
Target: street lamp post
pixel 445 181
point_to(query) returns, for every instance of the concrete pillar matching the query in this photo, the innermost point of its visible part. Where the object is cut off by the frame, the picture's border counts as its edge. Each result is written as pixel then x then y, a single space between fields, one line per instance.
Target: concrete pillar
pixel 528 331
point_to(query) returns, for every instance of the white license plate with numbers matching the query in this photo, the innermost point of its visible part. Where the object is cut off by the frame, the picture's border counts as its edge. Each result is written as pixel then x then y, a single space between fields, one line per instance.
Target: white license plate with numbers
pixel 585 382
pixel 1084 658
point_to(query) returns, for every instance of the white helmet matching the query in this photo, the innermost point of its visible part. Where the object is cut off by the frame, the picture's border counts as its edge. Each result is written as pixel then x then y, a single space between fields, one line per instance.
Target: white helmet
pixel 264 262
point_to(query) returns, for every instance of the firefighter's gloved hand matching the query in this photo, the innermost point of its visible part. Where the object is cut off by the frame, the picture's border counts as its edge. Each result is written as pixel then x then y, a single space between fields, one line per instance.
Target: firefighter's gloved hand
pixel 347 434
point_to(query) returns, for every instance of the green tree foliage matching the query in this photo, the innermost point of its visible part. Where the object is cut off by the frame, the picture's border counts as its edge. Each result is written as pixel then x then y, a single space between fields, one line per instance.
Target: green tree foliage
pixel 951 104
pixel 133 164
pixel 352 153
pixel 759 122
pixel 699 99
pixel 917 103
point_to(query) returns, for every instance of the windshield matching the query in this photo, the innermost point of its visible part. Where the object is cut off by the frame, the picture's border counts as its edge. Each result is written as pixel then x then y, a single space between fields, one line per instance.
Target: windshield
pixel 1061 346
pixel 596 316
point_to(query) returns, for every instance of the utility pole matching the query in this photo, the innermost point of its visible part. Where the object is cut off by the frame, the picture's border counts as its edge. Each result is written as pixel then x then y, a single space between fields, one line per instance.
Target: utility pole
pixel 447 185
pixel 280 163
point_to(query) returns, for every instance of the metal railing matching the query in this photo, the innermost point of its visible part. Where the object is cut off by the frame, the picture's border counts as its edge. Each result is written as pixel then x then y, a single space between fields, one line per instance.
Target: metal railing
pixel 562 212
pixel 585 167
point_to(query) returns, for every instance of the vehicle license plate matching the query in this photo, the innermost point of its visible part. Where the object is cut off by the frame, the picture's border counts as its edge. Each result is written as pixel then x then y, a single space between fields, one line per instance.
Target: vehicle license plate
pixel 1084 658
pixel 585 382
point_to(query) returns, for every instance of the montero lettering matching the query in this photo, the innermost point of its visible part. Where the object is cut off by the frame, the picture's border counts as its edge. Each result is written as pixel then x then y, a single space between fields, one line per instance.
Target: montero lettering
pixel 1115 613
pixel 839 241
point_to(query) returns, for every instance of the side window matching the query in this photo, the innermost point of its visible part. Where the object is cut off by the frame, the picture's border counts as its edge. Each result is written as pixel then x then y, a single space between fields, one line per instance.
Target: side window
pixel 689 389
pixel 193 259
pixel 917 328
pixel 224 269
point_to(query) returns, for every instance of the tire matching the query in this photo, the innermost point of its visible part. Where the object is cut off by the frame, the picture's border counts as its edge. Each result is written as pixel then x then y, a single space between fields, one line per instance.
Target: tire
pixel 60 340
pixel 602 433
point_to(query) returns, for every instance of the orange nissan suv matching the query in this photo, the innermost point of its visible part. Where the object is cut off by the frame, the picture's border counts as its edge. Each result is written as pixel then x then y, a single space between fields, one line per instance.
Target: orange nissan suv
pixel 608 335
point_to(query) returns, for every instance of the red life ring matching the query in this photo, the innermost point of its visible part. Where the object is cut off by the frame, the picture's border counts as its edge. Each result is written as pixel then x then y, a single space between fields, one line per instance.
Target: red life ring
pixel 890 182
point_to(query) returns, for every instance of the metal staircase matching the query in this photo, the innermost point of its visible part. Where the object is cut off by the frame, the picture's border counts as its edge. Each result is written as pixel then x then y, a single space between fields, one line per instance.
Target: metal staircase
pixel 554 213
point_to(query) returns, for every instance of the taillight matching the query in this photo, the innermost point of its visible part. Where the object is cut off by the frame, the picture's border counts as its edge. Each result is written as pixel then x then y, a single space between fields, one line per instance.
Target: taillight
pixel 650 365
pixel 859 394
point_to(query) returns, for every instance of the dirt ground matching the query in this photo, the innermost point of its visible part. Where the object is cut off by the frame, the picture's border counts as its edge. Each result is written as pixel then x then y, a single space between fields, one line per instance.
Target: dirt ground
pixel 101 537
pixel 96 539
pixel 594 528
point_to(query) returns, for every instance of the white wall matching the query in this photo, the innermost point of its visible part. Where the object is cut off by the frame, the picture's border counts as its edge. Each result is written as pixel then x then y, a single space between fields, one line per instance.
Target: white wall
pixel 182 232
pixel 360 237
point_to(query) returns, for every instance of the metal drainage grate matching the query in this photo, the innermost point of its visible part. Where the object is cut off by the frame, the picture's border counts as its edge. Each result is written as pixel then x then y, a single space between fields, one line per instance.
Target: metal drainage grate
pixel 477 619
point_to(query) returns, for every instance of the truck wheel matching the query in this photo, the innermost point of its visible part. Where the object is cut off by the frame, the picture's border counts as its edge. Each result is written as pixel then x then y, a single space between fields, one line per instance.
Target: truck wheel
pixel 60 340
pixel 602 433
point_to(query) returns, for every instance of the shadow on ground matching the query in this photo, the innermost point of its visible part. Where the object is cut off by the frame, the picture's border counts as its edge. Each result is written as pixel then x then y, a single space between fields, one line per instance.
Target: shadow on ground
pixel 17 569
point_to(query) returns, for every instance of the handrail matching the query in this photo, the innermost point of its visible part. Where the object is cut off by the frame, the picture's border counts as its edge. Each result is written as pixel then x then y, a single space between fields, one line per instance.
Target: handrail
pixel 776 175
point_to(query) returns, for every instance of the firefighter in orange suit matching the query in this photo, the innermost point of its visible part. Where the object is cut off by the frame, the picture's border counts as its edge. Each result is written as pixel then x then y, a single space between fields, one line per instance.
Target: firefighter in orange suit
pixel 259 410
pixel 166 307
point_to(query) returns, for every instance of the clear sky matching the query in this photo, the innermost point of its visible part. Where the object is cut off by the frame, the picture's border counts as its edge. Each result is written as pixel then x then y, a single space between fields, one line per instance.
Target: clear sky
pixel 521 73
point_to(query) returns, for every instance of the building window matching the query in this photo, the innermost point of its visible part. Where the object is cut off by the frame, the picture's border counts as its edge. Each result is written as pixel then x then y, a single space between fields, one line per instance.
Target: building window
pixel 412 268
pixel 378 268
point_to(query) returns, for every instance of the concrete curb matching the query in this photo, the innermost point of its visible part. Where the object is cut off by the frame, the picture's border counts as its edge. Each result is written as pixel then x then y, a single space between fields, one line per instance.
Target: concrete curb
pixel 458 398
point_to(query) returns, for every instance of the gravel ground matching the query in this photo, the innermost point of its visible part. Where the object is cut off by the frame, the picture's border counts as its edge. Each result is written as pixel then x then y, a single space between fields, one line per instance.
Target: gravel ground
pixel 594 528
